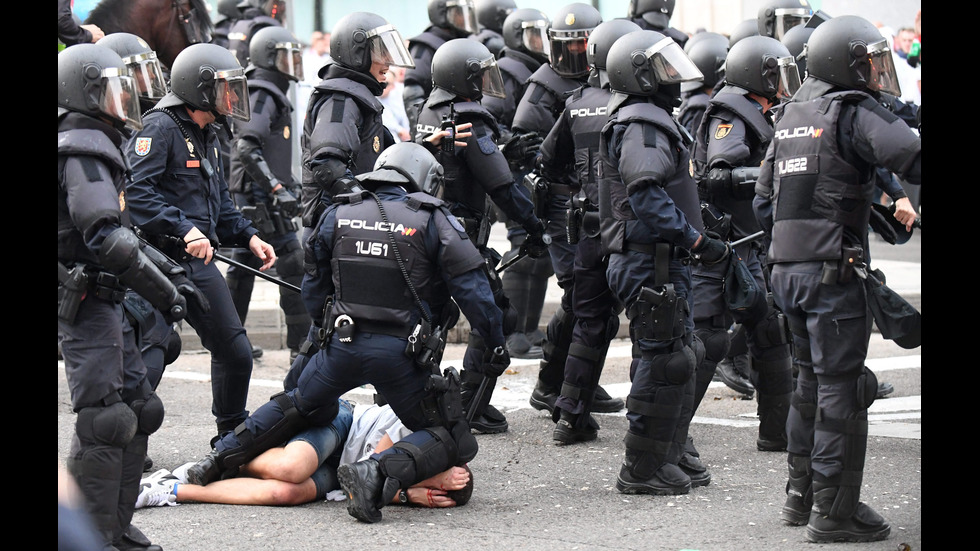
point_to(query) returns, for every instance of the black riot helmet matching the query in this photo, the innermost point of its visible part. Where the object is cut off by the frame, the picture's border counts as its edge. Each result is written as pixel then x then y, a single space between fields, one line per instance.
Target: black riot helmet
pixel 764 66
pixel 275 9
pixel 458 16
pixel 492 13
pixel 141 61
pixel 569 35
pixel 467 69
pixel 643 62
pixel 775 17
pixel 526 30
pixel 207 77
pixel 795 41
pixel 361 37
pixel 749 27
pixel 655 12
pixel 229 9
pixel 92 79
pixel 848 51
pixel 708 53
pixel 600 40
pixel 409 165
pixel 276 49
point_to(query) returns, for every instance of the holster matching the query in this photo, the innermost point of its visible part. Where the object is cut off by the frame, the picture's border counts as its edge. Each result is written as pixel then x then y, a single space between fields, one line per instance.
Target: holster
pixel 443 404
pixel 259 216
pixel 574 218
pixel 716 221
pixel 657 314
pixel 538 187
pixel 71 292
pixel 842 271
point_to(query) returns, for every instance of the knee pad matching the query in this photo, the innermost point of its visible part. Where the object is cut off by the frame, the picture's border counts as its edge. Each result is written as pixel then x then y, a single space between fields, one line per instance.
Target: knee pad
pixel 420 455
pixel 319 416
pixel 716 343
pixel 149 413
pixel 113 425
pixel 867 388
pixel 674 368
pixel 772 330
pixel 174 345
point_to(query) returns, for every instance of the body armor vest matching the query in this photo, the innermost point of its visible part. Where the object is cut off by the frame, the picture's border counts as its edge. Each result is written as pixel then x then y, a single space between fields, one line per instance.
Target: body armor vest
pixel 277 145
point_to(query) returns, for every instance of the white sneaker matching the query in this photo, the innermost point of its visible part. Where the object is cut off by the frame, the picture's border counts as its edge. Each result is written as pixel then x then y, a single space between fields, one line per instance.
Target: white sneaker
pixel 162 474
pixel 157 493
pixel 180 473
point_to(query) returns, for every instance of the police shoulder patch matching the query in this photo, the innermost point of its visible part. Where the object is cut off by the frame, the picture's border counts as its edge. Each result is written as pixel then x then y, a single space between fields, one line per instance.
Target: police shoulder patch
pixel 722 131
pixel 142 146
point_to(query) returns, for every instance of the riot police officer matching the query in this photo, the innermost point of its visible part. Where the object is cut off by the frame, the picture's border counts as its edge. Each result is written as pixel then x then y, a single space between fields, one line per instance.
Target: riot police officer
pixel 729 146
pixel 525 50
pixel 99 257
pixel 228 14
pixel 179 199
pixel 567 162
pixel 377 295
pixel 543 102
pixel 261 180
pixel 818 221
pixel 708 51
pixel 463 71
pixel 644 183
pixel 343 133
pixel 255 15
pixel 654 15
pixel 448 19
pixel 490 15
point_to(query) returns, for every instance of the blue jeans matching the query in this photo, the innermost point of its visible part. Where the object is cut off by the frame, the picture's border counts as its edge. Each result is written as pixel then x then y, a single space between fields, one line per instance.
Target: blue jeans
pixel 328 442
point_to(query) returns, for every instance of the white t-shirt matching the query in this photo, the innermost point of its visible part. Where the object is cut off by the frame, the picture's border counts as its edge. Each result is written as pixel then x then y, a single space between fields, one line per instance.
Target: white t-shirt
pixel 371 422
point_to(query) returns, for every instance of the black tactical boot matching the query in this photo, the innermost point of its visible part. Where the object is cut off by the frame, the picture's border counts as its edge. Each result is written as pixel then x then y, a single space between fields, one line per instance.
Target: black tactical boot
pixel 518 346
pixel 773 410
pixel 568 431
pixel 604 403
pixel 204 471
pixel 257 352
pixel 734 372
pixel 147 464
pixel 488 419
pixel 134 540
pixel 865 524
pixel 692 466
pixel 543 397
pixel 363 484
pixel 884 389
pixel 667 480
pixel 799 491
pixel 491 421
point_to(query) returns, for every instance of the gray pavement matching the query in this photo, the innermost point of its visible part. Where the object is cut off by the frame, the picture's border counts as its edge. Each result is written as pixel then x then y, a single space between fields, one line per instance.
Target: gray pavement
pixel 533 494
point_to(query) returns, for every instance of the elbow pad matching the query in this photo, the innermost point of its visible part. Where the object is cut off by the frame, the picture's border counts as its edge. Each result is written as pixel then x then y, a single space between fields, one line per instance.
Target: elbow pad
pixel 327 172
pixel 250 154
pixel 121 255
pixel 735 182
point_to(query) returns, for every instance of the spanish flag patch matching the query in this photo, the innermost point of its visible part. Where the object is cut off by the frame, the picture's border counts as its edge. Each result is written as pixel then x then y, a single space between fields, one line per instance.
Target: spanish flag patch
pixel 722 131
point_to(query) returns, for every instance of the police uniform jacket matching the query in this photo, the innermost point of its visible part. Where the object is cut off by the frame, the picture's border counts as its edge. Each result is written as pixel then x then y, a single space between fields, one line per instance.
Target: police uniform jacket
pixel 572 146
pixel 171 192
pixel 735 134
pixel 270 126
pixel 343 125
pixel 644 178
pixel 352 259
pixel 679 37
pixel 819 167
pixel 92 177
pixel 543 101
pixel 477 170
pixel 515 68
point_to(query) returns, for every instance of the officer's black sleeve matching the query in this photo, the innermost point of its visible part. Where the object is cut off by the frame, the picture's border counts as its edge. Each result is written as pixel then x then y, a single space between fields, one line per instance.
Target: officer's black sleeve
pixel 762 202
pixel 70 32
pixel 489 168
pixel 318 276
pixel 93 202
pixel 882 138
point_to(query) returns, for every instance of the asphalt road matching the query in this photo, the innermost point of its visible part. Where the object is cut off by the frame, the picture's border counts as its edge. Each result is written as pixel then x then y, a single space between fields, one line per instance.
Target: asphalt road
pixel 532 494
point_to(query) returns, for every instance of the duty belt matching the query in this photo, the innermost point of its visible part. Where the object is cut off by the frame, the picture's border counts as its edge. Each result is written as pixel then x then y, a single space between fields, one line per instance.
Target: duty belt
pixel 676 253
pixel 101 284
pixel 563 189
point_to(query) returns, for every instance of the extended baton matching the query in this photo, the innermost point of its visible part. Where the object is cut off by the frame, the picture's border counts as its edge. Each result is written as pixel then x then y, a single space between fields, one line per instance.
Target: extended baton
pixel 746 239
pixel 521 254
pixel 252 270
pixel 477 398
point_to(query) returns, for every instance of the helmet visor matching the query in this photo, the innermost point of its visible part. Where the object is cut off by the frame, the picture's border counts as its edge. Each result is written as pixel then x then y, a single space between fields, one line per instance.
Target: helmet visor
pixel 146 71
pixel 789 78
pixel 289 59
pixel 534 37
pixel 670 64
pixel 569 52
pixel 787 18
pixel 231 95
pixel 884 77
pixel 119 98
pixel 493 83
pixel 388 47
pixel 461 15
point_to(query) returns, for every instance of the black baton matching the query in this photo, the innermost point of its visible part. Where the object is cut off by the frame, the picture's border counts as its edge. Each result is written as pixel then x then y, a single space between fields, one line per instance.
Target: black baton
pixel 252 270
pixel 748 238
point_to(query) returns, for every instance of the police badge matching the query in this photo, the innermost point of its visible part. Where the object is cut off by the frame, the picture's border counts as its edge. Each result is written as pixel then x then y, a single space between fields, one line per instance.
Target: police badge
pixel 377 144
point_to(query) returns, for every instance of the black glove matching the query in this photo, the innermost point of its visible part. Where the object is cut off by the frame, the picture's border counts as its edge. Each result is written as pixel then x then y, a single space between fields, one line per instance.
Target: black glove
pixel 496 361
pixel 521 149
pixel 711 250
pixel 285 201
pixel 537 241
pixel 187 289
